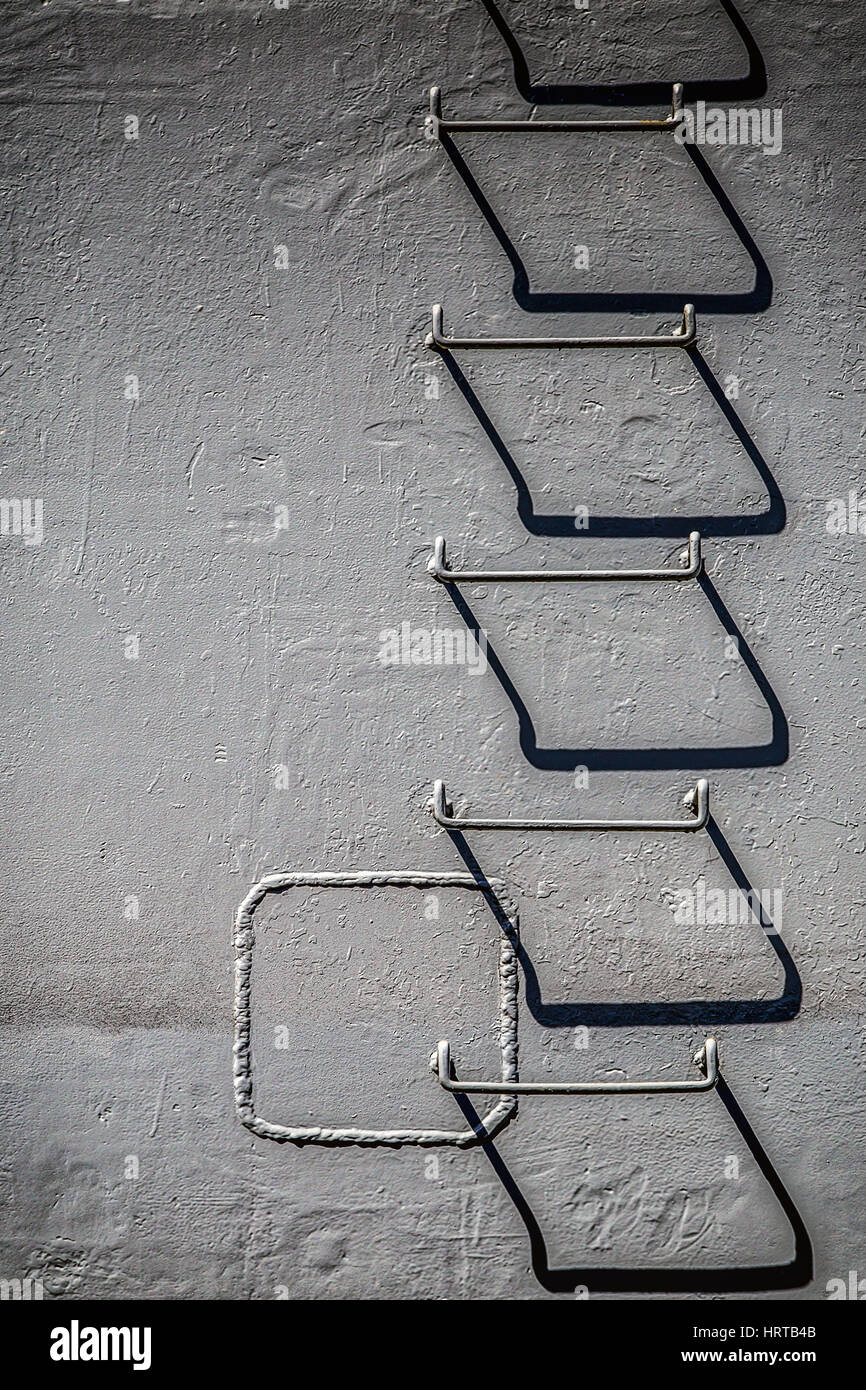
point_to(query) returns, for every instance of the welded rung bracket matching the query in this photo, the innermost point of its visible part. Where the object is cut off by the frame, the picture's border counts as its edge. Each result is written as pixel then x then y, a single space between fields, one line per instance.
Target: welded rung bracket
pixel 706 1060
pixel 435 123
pixel 683 336
pixel 698 800
pixel 690 566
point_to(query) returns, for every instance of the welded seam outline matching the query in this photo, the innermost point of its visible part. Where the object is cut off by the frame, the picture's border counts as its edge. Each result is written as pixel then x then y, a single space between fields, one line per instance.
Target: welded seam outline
pixel 490 1124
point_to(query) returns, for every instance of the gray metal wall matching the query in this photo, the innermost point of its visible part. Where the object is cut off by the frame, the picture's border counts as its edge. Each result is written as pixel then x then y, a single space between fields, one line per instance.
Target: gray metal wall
pixel 253 727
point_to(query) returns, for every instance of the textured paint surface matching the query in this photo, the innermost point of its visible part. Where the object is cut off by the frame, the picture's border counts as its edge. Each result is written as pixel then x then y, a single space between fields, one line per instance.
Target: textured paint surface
pixel 252 727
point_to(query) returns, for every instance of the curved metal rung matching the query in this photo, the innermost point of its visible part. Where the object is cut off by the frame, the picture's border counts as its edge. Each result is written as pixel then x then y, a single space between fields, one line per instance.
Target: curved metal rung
pixel 706 1060
pixel 681 337
pixel 699 800
pixel 690 561
pixel 435 122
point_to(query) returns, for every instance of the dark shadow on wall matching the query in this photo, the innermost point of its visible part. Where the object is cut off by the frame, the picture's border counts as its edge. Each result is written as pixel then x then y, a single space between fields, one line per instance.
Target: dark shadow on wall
pixel 753 301
pixel 735 89
pixel 701 758
pixel 700 1279
pixel 751 86
pixel 795 1274
pixel 768 522
pixel 654 1013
